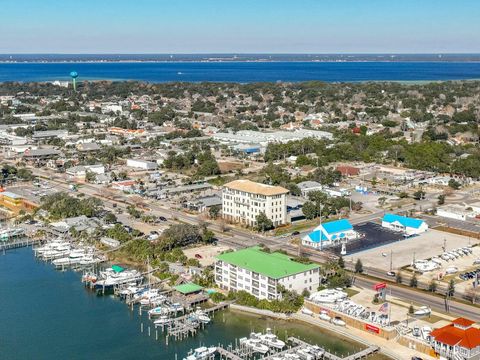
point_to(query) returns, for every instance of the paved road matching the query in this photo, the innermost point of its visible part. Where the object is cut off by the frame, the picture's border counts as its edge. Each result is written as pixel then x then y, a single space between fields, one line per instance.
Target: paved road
pixel 435 302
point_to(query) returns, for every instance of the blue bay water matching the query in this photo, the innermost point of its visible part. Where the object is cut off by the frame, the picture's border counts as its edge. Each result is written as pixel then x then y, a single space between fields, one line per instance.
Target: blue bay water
pixel 243 72
pixel 47 314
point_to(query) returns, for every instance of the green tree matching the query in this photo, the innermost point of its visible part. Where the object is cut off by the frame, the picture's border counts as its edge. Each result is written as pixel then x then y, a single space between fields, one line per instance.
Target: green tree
pixel 454 184
pixel 358 266
pixel 263 222
pixel 419 195
pixel 451 288
pixel 432 286
pixel 441 199
pixel 414 281
pixel 214 211
pixel 309 210
pixel 341 263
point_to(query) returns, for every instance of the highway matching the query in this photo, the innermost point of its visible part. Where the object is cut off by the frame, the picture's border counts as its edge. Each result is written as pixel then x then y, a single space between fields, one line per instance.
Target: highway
pixel 436 303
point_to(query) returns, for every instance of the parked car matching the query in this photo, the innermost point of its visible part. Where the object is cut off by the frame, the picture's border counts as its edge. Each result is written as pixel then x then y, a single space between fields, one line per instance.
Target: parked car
pixel 198 256
pixel 295 233
pixel 162 218
pixel 391 273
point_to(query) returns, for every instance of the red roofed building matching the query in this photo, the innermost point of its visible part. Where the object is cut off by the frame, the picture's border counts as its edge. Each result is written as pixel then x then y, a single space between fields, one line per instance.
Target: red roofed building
pixel 457 341
pixel 347 170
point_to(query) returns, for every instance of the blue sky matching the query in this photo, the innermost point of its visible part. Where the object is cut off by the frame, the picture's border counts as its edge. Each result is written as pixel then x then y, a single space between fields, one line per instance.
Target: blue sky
pixel 239 26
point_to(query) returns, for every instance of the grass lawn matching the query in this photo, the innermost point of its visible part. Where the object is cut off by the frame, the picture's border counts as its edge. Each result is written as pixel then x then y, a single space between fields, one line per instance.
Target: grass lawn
pixel 351 292
pixel 307 224
pixel 432 319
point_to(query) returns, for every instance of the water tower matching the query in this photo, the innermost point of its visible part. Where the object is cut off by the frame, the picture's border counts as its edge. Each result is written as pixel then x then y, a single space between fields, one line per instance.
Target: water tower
pixel 74 76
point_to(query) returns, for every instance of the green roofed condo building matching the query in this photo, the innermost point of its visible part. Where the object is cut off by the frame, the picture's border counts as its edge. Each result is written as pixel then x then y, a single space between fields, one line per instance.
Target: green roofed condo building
pixel 259 273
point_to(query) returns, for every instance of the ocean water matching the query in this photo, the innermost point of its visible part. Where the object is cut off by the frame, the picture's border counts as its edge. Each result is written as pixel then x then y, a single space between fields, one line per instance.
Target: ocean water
pixel 243 72
pixel 48 314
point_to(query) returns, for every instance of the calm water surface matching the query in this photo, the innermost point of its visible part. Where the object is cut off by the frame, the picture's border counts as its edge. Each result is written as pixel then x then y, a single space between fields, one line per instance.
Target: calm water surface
pixel 47 314
pixel 244 72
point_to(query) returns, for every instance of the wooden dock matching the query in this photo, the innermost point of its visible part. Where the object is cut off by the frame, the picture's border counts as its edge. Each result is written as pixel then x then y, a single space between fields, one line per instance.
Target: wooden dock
pixel 19 243
pixel 227 355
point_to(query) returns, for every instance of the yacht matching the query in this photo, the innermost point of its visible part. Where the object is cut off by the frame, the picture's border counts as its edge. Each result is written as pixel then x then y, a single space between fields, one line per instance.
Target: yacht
pixel 338 321
pixel 324 316
pixel 271 340
pixel 110 279
pixel 201 316
pixel 307 311
pixel 202 353
pixel 73 258
pixel 422 311
pixel 328 296
pixel 255 343
pixel 157 311
pixel 162 320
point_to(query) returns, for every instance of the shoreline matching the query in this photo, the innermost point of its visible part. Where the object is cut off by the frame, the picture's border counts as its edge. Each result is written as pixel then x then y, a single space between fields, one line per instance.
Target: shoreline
pixel 343 333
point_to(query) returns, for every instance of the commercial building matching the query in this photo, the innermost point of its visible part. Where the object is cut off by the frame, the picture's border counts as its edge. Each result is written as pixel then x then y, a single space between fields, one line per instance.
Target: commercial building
pixel 309 186
pixel 330 233
pixel 408 226
pixel 41 154
pixel 15 202
pixel 458 212
pixel 263 138
pixel 260 273
pixel 80 172
pixel 141 164
pixel 457 341
pixel 244 200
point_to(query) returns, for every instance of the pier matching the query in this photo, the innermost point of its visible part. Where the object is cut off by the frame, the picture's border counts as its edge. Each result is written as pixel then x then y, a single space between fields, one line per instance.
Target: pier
pixel 19 243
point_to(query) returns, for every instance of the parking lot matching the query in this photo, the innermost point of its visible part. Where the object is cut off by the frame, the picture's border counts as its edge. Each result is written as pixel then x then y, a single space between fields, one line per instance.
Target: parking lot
pixel 424 246
pixel 207 253
pixel 372 235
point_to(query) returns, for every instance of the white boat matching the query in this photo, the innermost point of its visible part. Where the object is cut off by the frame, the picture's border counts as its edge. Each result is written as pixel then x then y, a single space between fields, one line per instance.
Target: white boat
pixel 307 311
pixel 324 316
pixel 201 353
pixel 422 311
pixel 162 320
pixel 451 270
pixel 271 340
pixel 176 307
pixel 73 258
pixel 157 311
pixel 338 321
pixel 255 343
pixel 328 296
pixel 305 354
pixel 201 316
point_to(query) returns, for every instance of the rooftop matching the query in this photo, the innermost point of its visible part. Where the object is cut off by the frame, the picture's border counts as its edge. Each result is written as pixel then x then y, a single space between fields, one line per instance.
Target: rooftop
pixel 11 195
pixel 405 221
pixel 467 337
pixel 255 188
pixel 188 288
pixel 275 265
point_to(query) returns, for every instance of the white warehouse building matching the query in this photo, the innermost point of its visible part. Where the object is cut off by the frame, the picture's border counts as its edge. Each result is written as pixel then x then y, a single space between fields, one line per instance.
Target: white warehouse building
pixel 260 273
pixel 141 164
pixel 244 200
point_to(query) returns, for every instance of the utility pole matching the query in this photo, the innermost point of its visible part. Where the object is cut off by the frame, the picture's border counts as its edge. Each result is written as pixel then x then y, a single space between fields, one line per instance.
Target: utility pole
pixel 391 263
pixel 321 231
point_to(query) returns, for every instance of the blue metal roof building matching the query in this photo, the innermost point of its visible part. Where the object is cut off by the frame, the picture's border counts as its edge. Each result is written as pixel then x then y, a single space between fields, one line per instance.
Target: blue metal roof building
pixel 410 226
pixel 330 233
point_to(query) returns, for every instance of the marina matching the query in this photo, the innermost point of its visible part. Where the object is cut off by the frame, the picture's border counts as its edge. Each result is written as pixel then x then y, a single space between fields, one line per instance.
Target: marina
pixel 127 332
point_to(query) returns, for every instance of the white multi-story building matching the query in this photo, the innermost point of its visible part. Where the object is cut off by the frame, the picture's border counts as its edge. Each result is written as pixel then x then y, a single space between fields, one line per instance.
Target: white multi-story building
pixel 262 274
pixel 244 200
